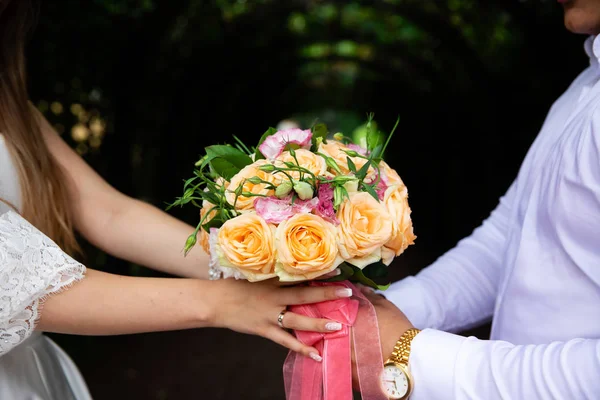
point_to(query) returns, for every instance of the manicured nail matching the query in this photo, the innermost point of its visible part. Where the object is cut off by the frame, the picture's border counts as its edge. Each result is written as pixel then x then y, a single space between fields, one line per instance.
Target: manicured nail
pixel 333 326
pixel 343 292
pixel 316 357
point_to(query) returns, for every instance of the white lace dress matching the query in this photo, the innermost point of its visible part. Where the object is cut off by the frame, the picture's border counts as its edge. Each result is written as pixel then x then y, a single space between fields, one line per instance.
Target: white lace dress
pixel 32 367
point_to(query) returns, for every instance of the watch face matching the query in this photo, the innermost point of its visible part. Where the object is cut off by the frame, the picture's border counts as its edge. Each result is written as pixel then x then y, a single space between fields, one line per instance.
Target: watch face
pixel 394 381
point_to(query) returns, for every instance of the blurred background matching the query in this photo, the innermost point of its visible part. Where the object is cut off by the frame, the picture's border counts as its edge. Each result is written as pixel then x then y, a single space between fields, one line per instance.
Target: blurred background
pixel 140 87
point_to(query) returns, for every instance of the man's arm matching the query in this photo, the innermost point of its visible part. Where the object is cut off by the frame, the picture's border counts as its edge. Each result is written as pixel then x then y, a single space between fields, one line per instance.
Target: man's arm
pixel 459 290
pixel 447 366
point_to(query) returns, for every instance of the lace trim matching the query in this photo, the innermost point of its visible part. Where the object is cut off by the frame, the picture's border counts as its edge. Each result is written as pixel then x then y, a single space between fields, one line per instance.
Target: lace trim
pixel 32 267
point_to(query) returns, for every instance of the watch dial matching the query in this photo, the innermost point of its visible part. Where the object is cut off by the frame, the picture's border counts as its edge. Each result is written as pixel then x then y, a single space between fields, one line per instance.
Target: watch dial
pixel 394 382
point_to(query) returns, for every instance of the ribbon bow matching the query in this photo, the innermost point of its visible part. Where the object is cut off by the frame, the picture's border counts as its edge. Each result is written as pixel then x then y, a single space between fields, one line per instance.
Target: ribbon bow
pixel 306 379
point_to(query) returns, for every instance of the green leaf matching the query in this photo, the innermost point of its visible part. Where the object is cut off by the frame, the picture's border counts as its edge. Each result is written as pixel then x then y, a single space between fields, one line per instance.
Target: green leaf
pixel 359 276
pixel 227 161
pixel 369 189
pixel 257 154
pixel 377 152
pixel 216 222
pixel 241 145
pixel 362 173
pixel 351 165
pixel 210 197
pixel 390 135
pixel 376 270
pixel 189 182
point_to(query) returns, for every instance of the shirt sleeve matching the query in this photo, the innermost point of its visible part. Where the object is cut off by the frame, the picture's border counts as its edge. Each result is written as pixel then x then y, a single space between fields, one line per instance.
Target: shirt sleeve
pixel 32 267
pixel 448 366
pixel 458 291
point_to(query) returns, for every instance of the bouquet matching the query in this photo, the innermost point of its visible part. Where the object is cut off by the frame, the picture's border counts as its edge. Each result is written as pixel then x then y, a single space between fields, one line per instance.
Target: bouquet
pixel 297 206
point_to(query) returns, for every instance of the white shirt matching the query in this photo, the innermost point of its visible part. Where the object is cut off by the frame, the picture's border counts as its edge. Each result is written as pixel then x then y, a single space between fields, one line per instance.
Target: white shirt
pixel 534 265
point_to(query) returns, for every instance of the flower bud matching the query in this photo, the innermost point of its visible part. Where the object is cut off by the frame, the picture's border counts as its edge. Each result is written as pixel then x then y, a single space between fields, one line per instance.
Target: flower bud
pixel 267 168
pixel 255 180
pixel 352 153
pixel 338 196
pixel 201 161
pixel 284 189
pixel 338 136
pixel 189 243
pixel 238 190
pixel 332 164
pixel 304 190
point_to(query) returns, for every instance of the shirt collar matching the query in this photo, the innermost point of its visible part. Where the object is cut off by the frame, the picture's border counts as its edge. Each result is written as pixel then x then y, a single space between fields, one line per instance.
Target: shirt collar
pixel 592 49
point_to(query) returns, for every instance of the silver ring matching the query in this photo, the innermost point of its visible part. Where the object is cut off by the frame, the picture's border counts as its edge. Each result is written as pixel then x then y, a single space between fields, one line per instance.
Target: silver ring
pixel 280 318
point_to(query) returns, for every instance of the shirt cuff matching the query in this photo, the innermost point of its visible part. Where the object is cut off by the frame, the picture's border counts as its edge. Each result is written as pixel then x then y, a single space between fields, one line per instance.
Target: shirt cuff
pixel 408 295
pixel 432 364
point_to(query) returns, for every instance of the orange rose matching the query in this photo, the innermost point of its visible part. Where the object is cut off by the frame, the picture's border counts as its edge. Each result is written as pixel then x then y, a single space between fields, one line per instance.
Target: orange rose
pixel 241 178
pixel 365 226
pixel 246 243
pixel 396 202
pixel 306 248
pixel 306 159
pixel 389 175
pixel 203 239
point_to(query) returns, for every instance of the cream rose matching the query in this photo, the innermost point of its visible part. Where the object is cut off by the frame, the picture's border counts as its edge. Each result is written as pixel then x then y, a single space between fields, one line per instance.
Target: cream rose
pixel 306 248
pixel 306 159
pixel 247 244
pixel 365 226
pixel 241 178
pixel 396 202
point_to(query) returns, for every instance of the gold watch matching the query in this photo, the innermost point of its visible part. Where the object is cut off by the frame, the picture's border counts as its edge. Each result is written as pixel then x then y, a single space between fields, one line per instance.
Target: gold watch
pixel 396 380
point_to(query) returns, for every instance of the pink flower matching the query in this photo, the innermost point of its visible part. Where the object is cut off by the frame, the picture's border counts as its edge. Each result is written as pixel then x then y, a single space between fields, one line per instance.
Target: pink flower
pixel 274 145
pixel 380 189
pixel 360 150
pixel 324 208
pixel 275 211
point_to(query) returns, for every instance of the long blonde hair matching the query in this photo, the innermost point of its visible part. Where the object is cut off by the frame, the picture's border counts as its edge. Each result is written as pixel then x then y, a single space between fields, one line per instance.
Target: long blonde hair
pixel 44 192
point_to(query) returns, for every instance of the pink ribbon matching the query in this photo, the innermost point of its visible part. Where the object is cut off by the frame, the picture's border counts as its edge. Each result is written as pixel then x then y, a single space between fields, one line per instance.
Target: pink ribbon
pixel 306 379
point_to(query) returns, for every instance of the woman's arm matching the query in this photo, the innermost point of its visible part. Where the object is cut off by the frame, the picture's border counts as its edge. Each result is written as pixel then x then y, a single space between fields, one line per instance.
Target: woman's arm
pixel 33 269
pixel 106 304
pixel 120 225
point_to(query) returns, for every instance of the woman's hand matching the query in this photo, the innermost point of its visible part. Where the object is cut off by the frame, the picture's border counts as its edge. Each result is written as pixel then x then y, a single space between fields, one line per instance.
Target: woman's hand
pixel 254 307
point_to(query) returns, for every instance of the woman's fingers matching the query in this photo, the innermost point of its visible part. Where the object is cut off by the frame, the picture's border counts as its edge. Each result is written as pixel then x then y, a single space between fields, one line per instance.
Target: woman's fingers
pixel 310 295
pixel 286 339
pixel 303 323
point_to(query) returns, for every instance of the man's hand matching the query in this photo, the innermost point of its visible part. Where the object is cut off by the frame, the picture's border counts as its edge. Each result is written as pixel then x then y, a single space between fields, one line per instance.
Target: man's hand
pixel 392 324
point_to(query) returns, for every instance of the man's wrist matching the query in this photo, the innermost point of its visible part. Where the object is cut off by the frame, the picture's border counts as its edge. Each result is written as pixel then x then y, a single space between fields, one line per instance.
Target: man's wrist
pixel 390 342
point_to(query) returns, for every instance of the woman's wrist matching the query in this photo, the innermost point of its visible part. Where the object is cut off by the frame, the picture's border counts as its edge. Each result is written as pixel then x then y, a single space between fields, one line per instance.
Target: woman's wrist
pixel 206 297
